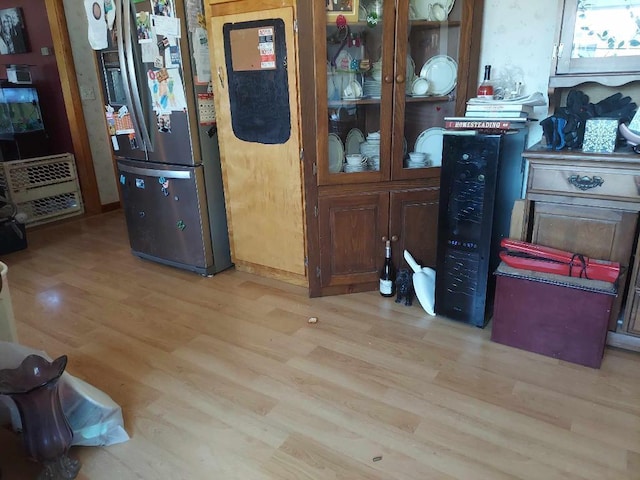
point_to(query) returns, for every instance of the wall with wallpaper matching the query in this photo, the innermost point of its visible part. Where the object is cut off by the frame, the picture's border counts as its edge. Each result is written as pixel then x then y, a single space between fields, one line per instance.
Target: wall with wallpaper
pixel 517 41
pixel 92 105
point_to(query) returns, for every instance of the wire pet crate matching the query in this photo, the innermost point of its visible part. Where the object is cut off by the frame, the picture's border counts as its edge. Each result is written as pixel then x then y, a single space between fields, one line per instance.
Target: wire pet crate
pixel 44 188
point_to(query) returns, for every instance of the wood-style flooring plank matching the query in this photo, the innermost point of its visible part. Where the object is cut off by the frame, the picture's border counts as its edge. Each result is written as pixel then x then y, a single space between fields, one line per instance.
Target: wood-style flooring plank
pixel 224 378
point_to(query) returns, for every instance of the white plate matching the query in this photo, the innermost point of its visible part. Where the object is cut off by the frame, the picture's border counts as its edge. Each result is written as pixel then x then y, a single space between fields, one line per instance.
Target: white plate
pixel 430 142
pixel 336 153
pixel 411 69
pixel 442 73
pixel 448 5
pixel 420 86
pixel 421 9
pixel 362 14
pixel 352 144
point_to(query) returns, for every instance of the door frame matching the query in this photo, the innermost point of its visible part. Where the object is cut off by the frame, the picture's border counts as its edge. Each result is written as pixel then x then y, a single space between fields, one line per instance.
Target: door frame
pixel 75 114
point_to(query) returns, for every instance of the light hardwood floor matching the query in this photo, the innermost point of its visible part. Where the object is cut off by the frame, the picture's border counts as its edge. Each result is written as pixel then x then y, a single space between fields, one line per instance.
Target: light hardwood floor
pixel 224 378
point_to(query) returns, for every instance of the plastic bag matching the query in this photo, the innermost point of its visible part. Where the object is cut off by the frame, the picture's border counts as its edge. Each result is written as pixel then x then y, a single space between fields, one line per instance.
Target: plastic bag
pixel 96 420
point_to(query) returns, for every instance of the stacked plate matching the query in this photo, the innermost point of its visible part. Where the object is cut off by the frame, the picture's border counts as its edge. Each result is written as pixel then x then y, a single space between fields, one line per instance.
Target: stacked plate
pixel 372 88
pixel 362 167
pixel 417 160
pixel 370 148
pixel 411 75
pixel 429 142
pixel 374 162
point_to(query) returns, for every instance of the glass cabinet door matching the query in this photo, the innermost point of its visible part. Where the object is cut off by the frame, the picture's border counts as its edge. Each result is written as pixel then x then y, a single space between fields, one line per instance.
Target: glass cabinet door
pixel 428 35
pixel 359 88
pixel 599 36
pixel 390 77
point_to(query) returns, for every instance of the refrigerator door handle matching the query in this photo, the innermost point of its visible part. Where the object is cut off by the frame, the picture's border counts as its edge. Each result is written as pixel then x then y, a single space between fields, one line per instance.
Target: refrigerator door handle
pixel 154 172
pixel 123 63
pixel 131 72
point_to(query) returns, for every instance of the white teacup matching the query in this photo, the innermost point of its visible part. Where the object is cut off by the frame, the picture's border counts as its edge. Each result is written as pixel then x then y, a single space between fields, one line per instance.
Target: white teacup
pixel 373 136
pixel 356 159
pixel 353 90
pixel 417 156
pixel 437 12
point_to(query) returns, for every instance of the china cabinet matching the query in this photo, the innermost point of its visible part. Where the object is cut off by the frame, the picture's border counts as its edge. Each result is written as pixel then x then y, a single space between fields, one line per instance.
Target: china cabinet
pixel 379 87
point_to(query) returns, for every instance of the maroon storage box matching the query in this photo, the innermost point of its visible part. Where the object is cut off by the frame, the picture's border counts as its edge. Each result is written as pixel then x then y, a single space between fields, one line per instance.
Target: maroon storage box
pixel 558 316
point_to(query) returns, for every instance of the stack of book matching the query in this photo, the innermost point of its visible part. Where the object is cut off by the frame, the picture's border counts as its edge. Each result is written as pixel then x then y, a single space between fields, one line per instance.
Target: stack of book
pixel 483 114
pixel 498 110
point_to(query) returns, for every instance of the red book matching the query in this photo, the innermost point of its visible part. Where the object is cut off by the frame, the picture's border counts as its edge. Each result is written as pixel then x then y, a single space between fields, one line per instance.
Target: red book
pixel 466 123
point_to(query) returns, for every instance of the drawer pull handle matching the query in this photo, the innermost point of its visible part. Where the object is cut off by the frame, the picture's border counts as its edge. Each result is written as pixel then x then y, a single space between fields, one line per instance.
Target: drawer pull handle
pixel 585 182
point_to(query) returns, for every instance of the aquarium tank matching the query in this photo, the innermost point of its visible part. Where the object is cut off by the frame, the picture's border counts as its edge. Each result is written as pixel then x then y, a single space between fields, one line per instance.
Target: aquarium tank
pixel 19 110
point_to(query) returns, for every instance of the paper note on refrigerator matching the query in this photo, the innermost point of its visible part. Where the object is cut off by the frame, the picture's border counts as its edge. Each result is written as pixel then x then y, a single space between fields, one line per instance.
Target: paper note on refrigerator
pixel 167 26
pixel 201 55
pixel 150 52
pixel 167 91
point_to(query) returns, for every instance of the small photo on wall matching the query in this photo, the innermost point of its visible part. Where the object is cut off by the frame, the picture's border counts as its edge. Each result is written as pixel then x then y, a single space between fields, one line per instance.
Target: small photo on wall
pixel 13 35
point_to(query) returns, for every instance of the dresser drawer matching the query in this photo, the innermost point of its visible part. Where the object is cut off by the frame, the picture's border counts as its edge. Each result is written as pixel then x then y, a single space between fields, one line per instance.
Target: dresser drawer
pixel 585 181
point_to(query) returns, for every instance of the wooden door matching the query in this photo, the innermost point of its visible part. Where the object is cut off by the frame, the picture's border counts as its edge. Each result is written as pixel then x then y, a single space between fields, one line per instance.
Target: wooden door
pixel 413 220
pixel 262 178
pixel 351 246
pixel 599 233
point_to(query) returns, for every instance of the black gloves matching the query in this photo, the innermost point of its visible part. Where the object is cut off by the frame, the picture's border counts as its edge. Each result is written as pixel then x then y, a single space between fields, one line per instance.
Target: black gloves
pixel 566 127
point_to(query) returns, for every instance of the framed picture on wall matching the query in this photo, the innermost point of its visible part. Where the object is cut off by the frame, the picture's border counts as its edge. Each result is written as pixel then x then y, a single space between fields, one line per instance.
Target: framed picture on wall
pixel 348 8
pixel 13 35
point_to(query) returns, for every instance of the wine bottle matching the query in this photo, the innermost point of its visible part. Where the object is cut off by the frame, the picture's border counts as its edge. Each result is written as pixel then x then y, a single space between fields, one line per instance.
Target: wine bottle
pixel 485 90
pixel 387 274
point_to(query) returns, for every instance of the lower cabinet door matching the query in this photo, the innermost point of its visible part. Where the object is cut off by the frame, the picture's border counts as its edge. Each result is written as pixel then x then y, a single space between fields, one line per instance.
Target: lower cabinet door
pixel 351 246
pixel 599 233
pixel 413 219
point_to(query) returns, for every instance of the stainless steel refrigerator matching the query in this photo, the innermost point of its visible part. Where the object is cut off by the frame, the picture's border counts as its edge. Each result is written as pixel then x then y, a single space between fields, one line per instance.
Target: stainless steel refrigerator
pixel 167 154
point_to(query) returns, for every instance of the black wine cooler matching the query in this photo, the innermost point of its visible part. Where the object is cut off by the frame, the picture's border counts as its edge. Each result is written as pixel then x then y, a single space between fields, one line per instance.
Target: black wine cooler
pixel 481 177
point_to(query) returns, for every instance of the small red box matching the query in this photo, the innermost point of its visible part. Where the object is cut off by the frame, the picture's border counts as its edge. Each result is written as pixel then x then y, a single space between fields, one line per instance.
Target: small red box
pixel 558 316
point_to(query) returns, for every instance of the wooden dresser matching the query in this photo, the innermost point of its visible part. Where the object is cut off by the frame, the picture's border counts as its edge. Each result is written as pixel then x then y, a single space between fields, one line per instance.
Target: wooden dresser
pixel 589 203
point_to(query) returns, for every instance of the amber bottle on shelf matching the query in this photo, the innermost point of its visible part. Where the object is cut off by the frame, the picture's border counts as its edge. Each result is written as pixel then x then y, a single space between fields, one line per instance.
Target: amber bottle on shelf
pixel 485 90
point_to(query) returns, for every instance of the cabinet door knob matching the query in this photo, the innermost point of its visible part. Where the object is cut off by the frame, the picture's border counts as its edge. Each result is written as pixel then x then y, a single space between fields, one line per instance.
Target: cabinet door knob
pixel 388 79
pixel 384 238
pixel 400 79
pixel 394 238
